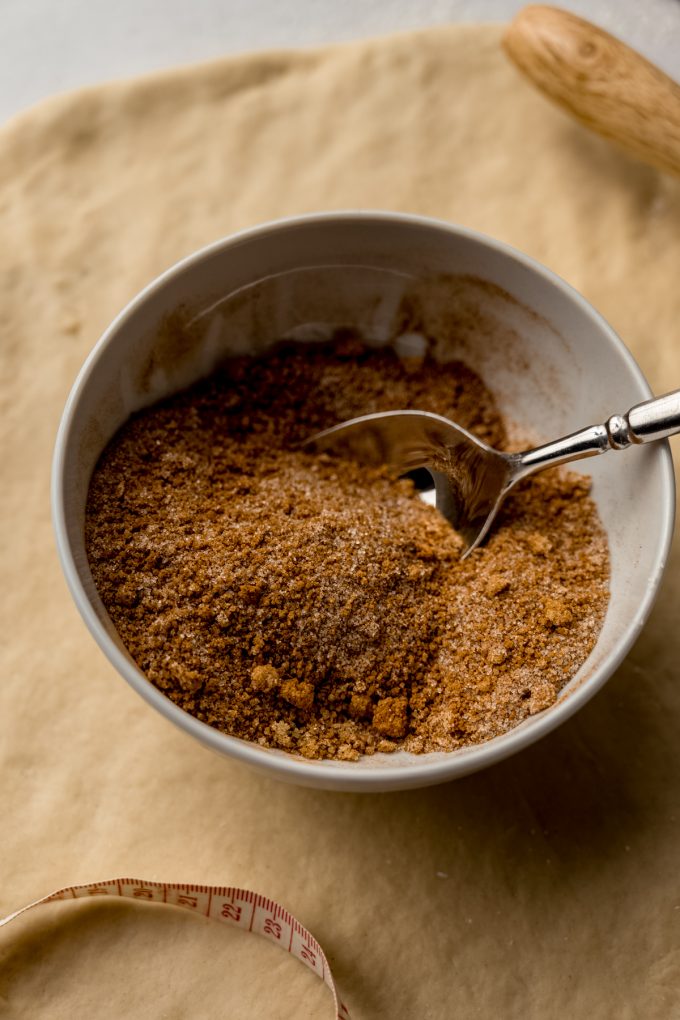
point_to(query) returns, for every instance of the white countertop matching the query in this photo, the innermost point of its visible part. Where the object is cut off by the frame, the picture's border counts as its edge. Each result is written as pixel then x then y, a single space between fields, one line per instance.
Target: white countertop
pixel 50 46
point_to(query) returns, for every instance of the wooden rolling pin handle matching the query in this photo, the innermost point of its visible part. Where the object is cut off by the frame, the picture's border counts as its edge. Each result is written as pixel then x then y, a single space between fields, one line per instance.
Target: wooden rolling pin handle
pixel 607 85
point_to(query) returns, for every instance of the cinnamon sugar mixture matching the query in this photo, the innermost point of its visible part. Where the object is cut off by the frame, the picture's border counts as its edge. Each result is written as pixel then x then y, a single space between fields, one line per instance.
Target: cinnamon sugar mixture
pixel 313 605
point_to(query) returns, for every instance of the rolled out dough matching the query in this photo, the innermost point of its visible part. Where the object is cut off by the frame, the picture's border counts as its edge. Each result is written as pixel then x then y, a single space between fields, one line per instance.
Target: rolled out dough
pixel 547 886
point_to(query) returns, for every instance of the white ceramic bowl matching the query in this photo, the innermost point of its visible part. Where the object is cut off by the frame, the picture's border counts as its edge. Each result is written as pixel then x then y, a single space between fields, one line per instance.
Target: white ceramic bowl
pixel 552 361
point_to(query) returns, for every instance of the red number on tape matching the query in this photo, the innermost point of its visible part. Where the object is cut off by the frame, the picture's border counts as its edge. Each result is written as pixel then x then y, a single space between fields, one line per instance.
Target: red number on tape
pixel 272 927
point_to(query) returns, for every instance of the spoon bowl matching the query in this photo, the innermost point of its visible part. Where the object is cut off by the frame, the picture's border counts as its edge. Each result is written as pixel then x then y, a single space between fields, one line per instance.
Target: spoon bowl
pixel 471 479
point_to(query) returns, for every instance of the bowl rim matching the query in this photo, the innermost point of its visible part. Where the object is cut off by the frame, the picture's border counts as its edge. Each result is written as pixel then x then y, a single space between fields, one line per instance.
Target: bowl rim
pixel 331 774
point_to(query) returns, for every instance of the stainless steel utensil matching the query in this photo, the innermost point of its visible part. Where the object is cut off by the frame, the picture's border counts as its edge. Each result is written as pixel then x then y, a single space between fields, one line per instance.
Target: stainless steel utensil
pixel 470 478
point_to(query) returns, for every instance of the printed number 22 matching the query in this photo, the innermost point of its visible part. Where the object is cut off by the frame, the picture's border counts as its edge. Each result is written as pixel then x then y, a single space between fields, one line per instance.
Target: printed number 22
pixel 232 912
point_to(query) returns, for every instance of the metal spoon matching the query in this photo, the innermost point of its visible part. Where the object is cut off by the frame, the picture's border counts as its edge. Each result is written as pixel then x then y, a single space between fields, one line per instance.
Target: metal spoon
pixel 471 479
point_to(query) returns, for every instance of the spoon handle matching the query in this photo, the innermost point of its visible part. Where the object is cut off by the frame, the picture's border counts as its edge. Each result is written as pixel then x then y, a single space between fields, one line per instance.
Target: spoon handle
pixel 646 422
pixel 653 419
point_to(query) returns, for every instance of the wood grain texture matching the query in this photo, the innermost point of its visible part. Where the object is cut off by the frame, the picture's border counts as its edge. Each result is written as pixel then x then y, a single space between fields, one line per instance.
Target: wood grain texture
pixel 607 85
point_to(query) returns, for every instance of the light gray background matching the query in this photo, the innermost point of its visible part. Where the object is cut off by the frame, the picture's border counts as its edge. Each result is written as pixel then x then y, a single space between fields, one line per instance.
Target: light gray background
pixel 49 46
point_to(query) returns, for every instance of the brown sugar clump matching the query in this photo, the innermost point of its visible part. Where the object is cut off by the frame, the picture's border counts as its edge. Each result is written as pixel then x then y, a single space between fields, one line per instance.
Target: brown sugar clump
pixel 310 604
pixel 390 717
pixel 557 612
pixel 264 678
pixel 496 584
pixel 299 694
pixel 360 706
pixel 539 544
pixel 496 655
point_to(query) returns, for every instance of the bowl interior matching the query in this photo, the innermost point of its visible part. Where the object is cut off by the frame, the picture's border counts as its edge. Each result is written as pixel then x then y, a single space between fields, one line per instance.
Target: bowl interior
pixel 552 362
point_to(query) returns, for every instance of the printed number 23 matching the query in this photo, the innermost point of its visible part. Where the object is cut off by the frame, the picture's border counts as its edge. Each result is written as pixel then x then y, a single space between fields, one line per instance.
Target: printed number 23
pixel 272 927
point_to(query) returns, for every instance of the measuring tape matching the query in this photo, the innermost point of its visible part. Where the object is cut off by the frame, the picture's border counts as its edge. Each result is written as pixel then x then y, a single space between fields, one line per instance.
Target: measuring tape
pixel 242 909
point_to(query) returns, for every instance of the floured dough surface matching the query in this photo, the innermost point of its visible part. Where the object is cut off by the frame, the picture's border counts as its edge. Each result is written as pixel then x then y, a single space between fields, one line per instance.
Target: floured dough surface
pixel 546 886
